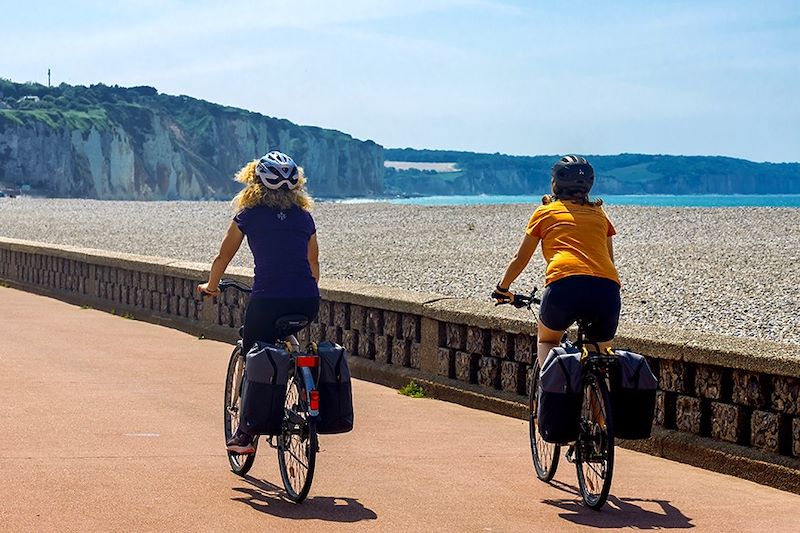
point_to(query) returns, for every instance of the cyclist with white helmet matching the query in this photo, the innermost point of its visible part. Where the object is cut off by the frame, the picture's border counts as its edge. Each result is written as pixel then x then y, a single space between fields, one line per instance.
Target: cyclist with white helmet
pixel 273 211
pixel 581 281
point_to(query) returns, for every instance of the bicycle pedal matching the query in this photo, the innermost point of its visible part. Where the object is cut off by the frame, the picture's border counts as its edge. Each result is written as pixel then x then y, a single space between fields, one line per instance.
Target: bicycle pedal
pixel 570 455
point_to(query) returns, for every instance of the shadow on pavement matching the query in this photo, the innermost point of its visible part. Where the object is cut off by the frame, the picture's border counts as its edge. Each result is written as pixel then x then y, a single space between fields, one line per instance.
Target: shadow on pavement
pixel 268 498
pixel 639 513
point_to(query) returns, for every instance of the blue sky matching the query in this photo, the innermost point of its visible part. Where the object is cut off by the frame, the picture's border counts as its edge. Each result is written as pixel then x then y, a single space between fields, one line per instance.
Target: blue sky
pixel 676 77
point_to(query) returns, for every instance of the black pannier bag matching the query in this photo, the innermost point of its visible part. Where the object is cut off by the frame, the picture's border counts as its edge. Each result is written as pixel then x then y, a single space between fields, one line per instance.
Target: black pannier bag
pixel 560 396
pixel 633 396
pixel 335 390
pixel 266 373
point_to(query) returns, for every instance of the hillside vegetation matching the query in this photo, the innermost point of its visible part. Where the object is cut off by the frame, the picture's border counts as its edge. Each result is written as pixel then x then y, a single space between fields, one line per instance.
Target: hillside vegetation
pixel 616 174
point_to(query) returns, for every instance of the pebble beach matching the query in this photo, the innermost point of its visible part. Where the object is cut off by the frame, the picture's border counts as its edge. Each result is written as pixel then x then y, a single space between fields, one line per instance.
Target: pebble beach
pixel 729 271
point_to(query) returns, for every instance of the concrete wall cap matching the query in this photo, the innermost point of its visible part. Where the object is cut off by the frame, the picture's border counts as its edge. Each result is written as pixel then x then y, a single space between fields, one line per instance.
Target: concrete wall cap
pixel 481 314
pixel 388 298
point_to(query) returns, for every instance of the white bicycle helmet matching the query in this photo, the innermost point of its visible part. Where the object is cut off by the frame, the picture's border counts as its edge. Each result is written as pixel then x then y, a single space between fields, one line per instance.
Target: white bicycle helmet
pixel 277 169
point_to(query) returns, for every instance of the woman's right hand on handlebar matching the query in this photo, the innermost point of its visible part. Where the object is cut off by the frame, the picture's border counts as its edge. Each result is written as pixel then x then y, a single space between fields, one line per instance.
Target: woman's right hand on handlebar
pixel 205 291
pixel 502 296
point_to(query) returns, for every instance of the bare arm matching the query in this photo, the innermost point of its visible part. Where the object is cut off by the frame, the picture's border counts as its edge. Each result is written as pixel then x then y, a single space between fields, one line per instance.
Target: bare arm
pixel 520 260
pixel 230 245
pixel 313 256
pixel 610 248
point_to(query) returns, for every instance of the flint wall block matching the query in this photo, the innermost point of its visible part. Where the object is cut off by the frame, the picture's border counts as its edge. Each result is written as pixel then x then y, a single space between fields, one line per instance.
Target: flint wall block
pixel 665 409
pixel 765 430
pixel 489 372
pixel 357 318
pixel 392 324
pixel 466 367
pixel 374 324
pixel 350 341
pixel 524 349
pixel 415 355
pixel 688 416
pixel 401 351
pixel 796 437
pixel 477 340
pixel 708 381
pixel 341 315
pixel 325 313
pixel 512 376
pixel 728 422
pixel 674 377
pixel 786 395
pixel 445 362
pixel 411 327
pixel 316 332
pixel 455 336
pixel 500 345
pixel 749 389
pixel 383 349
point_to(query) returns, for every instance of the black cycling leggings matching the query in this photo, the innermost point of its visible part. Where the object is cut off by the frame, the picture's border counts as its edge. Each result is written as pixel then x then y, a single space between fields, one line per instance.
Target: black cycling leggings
pixel 590 298
pixel 261 314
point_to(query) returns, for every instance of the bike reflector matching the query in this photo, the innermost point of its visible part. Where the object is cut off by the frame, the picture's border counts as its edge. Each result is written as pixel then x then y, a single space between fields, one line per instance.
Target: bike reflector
pixel 307 360
pixel 314 400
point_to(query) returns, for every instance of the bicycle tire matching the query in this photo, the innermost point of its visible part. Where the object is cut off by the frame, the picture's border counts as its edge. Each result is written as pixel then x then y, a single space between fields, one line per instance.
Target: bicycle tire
pixel 544 454
pixel 594 451
pixel 298 438
pixel 240 463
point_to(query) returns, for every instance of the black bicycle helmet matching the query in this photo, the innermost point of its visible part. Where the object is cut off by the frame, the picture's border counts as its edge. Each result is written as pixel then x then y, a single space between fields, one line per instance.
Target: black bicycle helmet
pixel 572 174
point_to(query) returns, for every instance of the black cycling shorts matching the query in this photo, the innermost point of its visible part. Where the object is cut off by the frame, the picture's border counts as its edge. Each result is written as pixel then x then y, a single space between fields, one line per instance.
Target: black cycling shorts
pixel 261 314
pixel 593 299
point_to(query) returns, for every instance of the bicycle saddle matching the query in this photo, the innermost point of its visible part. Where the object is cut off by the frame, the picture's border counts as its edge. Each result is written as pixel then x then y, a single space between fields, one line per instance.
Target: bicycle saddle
pixel 290 324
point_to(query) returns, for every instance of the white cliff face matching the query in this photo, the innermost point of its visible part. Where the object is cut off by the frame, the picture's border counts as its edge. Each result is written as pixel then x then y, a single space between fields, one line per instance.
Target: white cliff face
pixel 151 157
pixel 121 170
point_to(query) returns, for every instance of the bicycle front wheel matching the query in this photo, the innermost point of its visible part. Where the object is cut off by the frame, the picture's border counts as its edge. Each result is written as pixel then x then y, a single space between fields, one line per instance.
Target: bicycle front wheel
pixel 297 444
pixel 545 454
pixel 594 457
pixel 240 463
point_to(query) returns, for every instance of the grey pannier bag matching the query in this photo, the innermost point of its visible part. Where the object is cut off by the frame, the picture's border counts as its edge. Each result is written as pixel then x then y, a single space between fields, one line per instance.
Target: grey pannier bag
pixel 633 396
pixel 335 390
pixel 560 396
pixel 266 373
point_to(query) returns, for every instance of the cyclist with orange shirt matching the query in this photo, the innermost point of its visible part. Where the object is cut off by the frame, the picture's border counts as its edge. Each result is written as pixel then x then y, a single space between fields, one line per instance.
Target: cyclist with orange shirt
pixel 581 281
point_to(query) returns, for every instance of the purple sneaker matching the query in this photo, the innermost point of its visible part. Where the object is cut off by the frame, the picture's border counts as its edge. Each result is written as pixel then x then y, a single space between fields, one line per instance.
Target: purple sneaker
pixel 241 443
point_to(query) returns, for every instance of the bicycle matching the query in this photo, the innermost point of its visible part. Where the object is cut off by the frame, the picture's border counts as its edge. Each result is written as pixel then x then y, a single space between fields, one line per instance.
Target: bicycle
pixel 593 452
pixel 298 443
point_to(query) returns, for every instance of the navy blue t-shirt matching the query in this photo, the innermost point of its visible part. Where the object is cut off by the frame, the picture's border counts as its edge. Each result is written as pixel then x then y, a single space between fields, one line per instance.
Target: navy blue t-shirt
pixel 279 242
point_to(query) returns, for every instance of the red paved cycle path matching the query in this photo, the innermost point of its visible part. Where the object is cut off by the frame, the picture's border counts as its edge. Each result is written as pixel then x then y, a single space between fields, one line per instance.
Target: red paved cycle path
pixel 110 424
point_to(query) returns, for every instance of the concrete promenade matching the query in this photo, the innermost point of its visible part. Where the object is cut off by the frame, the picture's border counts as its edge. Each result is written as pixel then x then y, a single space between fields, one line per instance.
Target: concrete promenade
pixel 110 424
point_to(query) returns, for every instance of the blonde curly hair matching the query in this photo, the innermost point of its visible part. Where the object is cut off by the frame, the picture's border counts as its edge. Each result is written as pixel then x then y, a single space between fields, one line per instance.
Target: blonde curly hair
pixel 256 193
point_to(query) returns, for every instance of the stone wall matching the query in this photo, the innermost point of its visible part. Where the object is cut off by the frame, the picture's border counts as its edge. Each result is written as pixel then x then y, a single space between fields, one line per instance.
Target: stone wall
pixel 718 389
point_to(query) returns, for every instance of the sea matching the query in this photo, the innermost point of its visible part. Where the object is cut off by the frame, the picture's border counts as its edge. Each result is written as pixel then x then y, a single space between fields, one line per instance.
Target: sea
pixel 655 200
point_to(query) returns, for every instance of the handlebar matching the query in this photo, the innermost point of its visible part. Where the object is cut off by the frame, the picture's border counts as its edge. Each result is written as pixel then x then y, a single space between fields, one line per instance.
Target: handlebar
pixel 232 283
pixel 522 300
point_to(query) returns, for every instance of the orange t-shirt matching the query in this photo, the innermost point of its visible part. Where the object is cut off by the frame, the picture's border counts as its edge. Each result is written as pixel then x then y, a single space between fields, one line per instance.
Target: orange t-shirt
pixel 574 240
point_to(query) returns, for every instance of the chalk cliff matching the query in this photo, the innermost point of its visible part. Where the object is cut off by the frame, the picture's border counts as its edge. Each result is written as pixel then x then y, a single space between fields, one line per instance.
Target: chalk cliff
pixel 133 143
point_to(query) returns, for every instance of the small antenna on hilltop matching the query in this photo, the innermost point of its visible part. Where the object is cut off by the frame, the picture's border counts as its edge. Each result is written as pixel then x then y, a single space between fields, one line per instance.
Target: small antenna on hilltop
pixel 48 77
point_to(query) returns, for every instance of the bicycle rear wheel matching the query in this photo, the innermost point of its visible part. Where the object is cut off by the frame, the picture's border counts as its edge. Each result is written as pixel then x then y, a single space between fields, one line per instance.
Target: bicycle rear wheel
pixel 594 450
pixel 297 444
pixel 240 463
pixel 545 454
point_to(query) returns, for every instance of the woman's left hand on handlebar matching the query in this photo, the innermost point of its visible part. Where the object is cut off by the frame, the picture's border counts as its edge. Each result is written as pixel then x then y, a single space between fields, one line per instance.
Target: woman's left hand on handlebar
pixel 203 289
